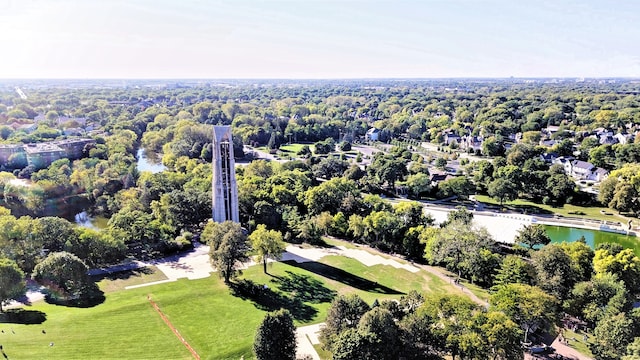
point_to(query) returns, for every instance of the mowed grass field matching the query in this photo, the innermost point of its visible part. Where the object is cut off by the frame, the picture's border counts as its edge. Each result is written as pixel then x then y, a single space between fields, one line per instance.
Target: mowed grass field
pixel 218 321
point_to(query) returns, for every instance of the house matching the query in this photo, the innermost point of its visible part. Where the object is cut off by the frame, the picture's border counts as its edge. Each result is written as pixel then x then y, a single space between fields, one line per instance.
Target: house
pixel 599 174
pixel 372 134
pixel 438 176
pixel 548 143
pixel 607 139
pixel 548 157
pixel 623 138
pixel 472 142
pixel 565 161
pixel 550 130
pixel 450 137
pixel 80 121
pixel 28 127
pixel 581 170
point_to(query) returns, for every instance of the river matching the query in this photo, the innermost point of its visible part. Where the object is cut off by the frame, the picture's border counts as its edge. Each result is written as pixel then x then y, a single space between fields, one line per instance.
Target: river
pixel 148 163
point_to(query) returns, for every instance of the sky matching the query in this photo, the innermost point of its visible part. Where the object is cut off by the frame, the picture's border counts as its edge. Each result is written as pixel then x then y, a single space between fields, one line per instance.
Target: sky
pixel 197 39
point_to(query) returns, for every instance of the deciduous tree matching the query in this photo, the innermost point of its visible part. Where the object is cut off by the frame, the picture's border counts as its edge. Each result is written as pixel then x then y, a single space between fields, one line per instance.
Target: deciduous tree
pixel 12 284
pixel 66 276
pixel 228 247
pixel 532 235
pixel 528 306
pixel 267 244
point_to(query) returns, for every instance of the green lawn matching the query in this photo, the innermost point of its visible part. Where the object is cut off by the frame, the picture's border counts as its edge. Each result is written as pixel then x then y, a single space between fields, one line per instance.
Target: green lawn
pixel 576 341
pixel 567 210
pixel 120 280
pixel 292 149
pixel 217 321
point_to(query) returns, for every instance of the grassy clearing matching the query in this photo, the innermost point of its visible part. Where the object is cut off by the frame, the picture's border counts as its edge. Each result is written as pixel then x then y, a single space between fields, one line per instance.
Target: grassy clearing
pixel 118 281
pixel 292 149
pixel 123 327
pixel 576 341
pixel 478 291
pixel 567 210
pixel 218 321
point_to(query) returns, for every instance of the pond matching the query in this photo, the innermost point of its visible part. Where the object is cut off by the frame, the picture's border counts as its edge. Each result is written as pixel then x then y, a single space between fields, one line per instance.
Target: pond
pixel 93 222
pixel 560 234
pixel 149 162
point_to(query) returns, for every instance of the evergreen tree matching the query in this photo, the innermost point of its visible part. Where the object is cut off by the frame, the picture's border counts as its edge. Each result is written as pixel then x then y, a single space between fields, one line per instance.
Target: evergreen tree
pixel 276 337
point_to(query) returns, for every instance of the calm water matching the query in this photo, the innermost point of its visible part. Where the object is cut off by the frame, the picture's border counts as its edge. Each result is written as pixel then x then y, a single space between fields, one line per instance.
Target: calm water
pixel 148 164
pixel 593 237
pixel 93 222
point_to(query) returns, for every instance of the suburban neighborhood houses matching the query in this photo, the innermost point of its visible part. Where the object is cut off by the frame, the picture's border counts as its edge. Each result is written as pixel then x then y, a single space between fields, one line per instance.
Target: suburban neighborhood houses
pixel 313 198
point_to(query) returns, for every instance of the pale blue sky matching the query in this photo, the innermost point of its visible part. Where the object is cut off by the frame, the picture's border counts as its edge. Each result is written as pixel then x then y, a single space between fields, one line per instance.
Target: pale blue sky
pixel 318 38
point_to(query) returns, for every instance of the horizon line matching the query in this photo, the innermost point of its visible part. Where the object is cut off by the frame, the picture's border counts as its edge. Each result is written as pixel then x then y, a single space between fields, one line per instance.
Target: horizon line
pixel 328 78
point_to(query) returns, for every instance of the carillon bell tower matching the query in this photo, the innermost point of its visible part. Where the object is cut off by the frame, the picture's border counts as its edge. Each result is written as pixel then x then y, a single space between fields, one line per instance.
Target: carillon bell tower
pixel 224 187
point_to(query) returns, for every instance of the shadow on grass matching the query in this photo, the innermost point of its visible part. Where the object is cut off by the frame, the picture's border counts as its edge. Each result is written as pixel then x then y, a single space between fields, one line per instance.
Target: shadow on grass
pixel 304 288
pixel 22 316
pixel 344 277
pixel 266 299
pixel 520 208
pixel 123 275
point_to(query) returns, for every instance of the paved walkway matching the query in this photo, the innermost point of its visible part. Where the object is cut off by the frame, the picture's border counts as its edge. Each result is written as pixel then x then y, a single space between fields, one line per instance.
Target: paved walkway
pixel 306 337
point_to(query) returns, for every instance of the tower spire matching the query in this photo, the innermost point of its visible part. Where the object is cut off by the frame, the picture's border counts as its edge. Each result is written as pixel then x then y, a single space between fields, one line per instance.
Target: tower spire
pixel 224 188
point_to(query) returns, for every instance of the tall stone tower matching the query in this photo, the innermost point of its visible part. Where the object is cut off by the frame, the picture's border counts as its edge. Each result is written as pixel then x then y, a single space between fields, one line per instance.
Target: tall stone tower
pixel 224 187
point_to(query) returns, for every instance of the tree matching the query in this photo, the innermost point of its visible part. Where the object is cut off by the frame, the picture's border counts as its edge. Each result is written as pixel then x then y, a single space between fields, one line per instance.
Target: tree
pixel 554 273
pixel 633 350
pixel 53 232
pixel 344 313
pixel 620 190
pixel 624 264
pixel 532 235
pixel 276 337
pixel 387 169
pixel 561 188
pixel 602 296
pixel 332 196
pixel 66 277
pixel 441 163
pixel 304 151
pixel 12 284
pixel 228 247
pixel 330 167
pixel 625 198
pixel 267 243
pixel 460 214
pixel 503 190
pixel 612 335
pixel 380 324
pixel 381 228
pixel 581 258
pixel 492 147
pixel 528 306
pixel 501 334
pixel 451 317
pixel 353 344
pixel 459 186
pixel 464 249
pixel 512 270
